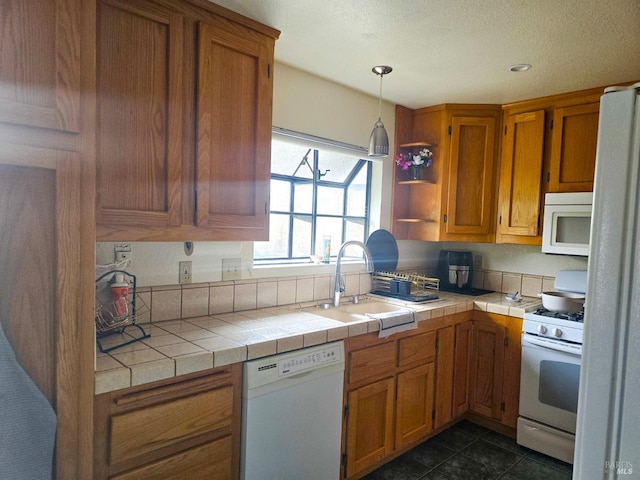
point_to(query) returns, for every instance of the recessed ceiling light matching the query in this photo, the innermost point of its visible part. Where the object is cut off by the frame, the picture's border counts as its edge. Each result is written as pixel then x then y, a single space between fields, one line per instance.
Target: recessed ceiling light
pixel 521 67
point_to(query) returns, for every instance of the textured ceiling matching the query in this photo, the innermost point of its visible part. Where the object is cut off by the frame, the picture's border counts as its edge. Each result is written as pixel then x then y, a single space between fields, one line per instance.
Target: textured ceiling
pixel 456 50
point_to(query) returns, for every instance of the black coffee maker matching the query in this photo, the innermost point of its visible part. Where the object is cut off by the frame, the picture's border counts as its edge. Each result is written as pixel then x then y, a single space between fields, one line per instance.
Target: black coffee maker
pixel 455 270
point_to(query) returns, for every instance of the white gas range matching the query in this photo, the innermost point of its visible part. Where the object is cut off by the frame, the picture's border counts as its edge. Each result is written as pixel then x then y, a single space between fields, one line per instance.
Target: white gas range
pixel 549 381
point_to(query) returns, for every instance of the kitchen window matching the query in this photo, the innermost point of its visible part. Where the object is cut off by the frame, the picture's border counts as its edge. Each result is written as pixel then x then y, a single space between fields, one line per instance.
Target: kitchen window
pixel 317 190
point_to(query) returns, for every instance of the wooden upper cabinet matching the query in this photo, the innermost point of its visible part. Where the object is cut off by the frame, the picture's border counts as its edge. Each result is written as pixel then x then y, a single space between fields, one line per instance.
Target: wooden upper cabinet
pixel 573 148
pixel 471 175
pixel 456 202
pixel 234 130
pixel 520 194
pixel 184 100
pixel 139 167
pixel 40 63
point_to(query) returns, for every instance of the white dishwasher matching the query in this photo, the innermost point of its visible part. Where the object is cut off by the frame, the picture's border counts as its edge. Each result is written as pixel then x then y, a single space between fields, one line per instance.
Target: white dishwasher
pixel 292 415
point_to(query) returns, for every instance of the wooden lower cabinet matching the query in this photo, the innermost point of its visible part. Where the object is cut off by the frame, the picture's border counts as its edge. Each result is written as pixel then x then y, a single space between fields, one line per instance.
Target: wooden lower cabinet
pixel 370 424
pixel 414 411
pixel 487 357
pixel 462 368
pixel 179 428
pixel 207 461
pixel 392 387
pixel 444 375
pixel 511 375
pixel 494 368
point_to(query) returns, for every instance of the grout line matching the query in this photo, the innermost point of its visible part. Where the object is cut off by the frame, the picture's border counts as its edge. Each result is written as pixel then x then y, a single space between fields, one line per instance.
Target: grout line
pixel 511 467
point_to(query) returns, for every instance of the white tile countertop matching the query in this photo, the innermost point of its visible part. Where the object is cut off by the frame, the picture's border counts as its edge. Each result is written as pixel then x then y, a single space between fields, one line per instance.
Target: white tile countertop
pixel 178 347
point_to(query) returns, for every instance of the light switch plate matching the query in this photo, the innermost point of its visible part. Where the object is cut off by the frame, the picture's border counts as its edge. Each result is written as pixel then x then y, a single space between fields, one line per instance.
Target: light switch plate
pixel 477 262
pixel 231 269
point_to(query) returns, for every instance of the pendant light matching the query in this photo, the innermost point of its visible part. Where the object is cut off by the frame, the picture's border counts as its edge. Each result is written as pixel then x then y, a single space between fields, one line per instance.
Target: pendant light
pixel 379 140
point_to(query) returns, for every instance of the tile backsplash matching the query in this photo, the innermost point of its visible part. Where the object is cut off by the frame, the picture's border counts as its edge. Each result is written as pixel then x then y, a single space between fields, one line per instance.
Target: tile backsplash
pixel 172 302
pixel 507 282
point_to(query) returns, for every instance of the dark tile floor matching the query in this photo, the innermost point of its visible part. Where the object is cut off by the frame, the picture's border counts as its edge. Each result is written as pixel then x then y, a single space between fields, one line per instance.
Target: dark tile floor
pixel 468 451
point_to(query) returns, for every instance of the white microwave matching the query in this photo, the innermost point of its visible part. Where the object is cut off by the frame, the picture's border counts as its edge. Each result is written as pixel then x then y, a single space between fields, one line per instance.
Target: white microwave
pixel 567 223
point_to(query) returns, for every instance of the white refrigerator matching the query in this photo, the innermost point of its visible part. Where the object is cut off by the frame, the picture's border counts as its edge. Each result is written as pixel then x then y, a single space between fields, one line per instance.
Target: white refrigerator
pixel 608 425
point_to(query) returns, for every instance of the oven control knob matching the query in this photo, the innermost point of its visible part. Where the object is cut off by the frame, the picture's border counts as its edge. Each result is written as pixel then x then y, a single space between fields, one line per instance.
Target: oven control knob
pixel 541 329
pixel 556 332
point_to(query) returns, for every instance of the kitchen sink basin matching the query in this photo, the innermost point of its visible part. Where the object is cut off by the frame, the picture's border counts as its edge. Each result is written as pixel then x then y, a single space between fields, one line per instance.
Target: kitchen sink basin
pixel 356 311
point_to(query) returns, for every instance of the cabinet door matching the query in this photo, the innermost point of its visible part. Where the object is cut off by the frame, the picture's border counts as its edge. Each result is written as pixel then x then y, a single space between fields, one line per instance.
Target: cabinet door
pixel 370 424
pixel 462 368
pixel 46 230
pixel 40 63
pixel 471 176
pixel 208 461
pixel 487 370
pixel 234 131
pixel 573 148
pixel 414 415
pixel 519 201
pixel 139 99
pixel 511 377
pixel 444 376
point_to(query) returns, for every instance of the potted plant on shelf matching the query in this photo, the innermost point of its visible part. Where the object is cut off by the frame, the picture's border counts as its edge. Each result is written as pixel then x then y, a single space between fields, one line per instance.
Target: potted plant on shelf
pixel 414 164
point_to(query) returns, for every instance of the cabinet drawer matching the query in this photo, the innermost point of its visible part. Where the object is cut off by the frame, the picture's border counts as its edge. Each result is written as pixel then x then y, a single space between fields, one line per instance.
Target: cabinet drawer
pixel 142 431
pixel 211 460
pixel 372 362
pixel 417 349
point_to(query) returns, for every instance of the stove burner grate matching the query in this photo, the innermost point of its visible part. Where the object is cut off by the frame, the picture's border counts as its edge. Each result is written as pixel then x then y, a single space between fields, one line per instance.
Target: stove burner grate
pixel 570 316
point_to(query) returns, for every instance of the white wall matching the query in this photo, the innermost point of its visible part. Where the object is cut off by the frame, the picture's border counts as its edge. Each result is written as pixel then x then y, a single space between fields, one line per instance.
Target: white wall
pixel 504 258
pixel 309 104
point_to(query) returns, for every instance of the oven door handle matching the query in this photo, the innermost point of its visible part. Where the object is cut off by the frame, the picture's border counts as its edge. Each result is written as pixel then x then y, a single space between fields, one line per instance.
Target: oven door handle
pixel 551 345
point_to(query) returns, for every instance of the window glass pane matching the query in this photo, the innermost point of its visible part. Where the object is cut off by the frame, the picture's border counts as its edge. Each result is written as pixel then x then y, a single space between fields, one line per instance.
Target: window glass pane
pixel 278 244
pixel 301 236
pixel 330 200
pixel 297 222
pixel 338 167
pixel 280 196
pixel 286 158
pixel 303 198
pixel 333 228
pixel 357 194
pixel 355 230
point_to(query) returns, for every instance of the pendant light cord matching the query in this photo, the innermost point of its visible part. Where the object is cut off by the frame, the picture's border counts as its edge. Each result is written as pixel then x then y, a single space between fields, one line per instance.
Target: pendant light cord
pixel 380 99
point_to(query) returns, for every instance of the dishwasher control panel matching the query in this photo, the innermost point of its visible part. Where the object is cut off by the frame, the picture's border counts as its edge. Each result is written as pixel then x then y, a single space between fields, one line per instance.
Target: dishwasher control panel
pixel 268 373
pixel 310 359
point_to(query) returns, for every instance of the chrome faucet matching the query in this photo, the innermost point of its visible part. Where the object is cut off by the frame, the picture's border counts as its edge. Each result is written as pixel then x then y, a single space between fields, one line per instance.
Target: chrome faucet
pixel 368 262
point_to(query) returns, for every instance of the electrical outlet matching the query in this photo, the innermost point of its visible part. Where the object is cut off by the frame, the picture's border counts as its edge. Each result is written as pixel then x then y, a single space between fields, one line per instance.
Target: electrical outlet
pixel 477 262
pixel 121 252
pixel 231 268
pixel 185 272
